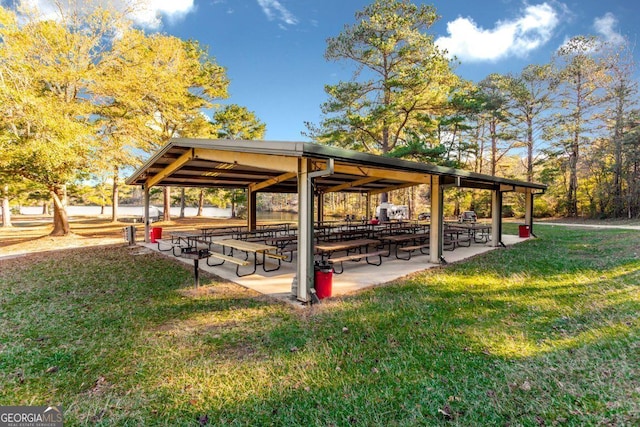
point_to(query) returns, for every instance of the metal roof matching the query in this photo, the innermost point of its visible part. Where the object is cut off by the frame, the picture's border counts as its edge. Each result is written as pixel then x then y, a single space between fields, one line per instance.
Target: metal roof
pixel 272 166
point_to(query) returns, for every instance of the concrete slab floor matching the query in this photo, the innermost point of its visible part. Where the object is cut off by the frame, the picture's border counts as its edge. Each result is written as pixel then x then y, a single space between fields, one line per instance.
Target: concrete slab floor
pixel 356 276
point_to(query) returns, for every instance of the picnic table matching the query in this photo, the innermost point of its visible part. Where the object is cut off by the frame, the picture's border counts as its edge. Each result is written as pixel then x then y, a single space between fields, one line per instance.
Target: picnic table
pixel 259 250
pixel 222 231
pixel 327 249
pixel 481 233
pixel 179 241
pixel 399 240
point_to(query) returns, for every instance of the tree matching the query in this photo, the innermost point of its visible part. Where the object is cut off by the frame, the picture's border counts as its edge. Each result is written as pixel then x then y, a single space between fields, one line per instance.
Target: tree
pixel 580 79
pixel 399 74
pixel 631 167
pixel 236 122
pixel 189 82
pixel 622 95
pixel 530 95
pixel 46 72
pixel 495 112
pixel 121 113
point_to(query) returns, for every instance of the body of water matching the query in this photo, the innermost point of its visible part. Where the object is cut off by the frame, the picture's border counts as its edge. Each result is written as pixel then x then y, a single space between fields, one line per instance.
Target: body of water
pixel 137 211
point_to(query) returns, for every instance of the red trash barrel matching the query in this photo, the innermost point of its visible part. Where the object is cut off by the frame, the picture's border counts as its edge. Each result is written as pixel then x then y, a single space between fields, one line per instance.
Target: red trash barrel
pixel 323 281
pixel 523 231
pixel 156 233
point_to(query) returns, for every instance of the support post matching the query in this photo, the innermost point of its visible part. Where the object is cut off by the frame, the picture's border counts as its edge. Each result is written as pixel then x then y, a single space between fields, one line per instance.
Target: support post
pixel 147 221
pixel 496 217
pixel 528 210
pixel 305 233
pixel 251 209
pixel 437 220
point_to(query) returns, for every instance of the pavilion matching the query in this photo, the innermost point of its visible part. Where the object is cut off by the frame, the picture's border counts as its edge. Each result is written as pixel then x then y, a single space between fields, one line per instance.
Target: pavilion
pixel 312 170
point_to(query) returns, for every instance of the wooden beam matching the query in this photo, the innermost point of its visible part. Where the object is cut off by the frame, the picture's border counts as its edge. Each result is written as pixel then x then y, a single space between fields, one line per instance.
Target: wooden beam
pixel 275 180
pixel 263 161
pixel 414 177
pixel 391 188
pixel 351 184
pixel 169 169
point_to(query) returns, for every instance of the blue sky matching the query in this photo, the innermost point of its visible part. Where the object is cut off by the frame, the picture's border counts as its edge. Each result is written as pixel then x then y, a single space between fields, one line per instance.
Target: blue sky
pixel 273 50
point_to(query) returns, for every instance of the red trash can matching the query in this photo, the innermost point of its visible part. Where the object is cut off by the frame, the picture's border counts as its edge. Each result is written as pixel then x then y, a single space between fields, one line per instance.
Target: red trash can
pixel 156 233
pixel 523 231
pixel 323 280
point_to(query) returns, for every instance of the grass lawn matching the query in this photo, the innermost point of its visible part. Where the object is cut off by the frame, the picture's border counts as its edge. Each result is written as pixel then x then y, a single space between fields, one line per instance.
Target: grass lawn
pixel 543 333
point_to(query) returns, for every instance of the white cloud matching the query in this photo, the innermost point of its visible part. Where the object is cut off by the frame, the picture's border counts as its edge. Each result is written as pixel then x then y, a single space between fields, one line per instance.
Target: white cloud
pixel 605 26
pixel 148 13
pixel 151 14
pixel 469 42
pixel 275 10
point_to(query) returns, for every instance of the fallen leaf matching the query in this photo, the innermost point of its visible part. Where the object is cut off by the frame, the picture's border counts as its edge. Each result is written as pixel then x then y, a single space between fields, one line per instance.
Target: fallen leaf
pixel 52 369
pixel 446 412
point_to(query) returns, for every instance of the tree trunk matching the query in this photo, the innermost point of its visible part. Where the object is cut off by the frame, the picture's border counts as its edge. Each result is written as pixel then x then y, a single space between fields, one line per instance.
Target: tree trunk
pixel 201 202
pixel 114 195
pixel 233 203
pixel 494 146
pixel 167 203
pixel 572 198
pixel 60 218
pixel 6 210
pixel 182 203
pixel 529 150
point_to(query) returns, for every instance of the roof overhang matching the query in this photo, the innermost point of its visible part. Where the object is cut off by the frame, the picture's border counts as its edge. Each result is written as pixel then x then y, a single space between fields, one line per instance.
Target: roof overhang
pixel 272 166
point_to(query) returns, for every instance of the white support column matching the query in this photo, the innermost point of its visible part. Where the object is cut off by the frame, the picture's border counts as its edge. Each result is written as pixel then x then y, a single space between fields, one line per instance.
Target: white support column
pixel 496 218
pixel 528 209
pixel 305 270
pixel 437 220
pixel 147 221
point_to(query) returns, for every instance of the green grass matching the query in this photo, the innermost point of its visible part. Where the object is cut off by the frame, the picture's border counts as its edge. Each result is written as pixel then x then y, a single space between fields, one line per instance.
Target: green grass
pixel 543 333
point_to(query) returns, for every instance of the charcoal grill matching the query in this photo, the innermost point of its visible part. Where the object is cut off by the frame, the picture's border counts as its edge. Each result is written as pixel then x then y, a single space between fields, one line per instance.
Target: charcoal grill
pixel 196 255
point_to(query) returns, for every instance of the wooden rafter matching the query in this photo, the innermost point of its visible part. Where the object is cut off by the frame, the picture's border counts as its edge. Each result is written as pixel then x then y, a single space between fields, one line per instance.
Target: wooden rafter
pixel 272 181
pixel 170 168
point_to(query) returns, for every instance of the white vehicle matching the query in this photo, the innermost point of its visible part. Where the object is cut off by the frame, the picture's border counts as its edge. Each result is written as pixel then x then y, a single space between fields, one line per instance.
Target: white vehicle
pixel 394 211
